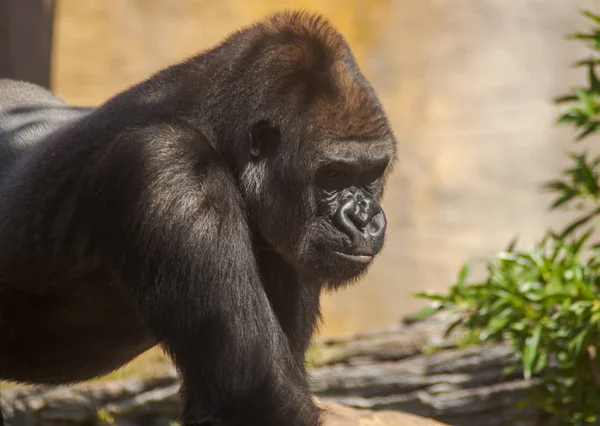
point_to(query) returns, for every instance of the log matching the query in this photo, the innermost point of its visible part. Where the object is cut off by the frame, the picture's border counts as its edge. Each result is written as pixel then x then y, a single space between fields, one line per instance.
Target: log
pixel 150 403
pixel 378 376
pixel 396 369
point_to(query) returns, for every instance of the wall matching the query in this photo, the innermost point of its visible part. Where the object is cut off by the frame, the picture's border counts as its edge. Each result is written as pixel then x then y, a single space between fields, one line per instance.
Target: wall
pixel 468 87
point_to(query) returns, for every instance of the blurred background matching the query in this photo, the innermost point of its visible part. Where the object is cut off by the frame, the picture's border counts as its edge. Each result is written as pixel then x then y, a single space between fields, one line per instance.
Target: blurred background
pixel 468 86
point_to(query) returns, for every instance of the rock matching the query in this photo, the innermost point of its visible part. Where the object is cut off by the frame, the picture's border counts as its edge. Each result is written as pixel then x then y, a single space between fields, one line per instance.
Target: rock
pixel 378 374
pixel 339 415
pixel 397 369
pixel 157 404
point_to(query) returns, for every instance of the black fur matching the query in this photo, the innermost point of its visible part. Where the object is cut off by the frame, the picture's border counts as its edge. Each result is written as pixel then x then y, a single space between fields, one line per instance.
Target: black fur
pixel 204 209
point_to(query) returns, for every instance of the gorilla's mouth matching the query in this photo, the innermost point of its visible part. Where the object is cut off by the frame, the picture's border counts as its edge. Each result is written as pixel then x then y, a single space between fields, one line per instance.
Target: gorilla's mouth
pixel 359 258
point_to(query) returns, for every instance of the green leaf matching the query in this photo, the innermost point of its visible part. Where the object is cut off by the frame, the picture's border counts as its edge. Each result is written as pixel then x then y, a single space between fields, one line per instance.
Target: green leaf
pixel 563 199
pixel 464 273
pixel 581 241
pixel 574 116
pixel 511 246
pixel 557 185
pixel 576 344
pixel 588 103
pixel 595 36
pixel 427 312
pixel 591 16
pixel 452 326
pixel 431 296
pixel 565 98
pixel 592 78
pixel 590 128
pixel 585 63
pixel 578 223
pixel 531 351
pixel 541 363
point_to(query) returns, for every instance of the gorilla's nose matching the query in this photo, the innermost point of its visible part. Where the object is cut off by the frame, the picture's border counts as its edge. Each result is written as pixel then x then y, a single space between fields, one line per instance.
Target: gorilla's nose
pixel 362 219
pixel 364 210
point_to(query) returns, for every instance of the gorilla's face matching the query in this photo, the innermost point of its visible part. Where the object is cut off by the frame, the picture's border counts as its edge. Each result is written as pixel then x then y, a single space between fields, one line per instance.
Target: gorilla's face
pixel 347 225
pixel 319 149
pixel 318 206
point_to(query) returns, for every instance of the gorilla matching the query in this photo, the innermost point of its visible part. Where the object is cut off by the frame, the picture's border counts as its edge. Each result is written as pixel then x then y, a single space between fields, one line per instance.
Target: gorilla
pixel 204 210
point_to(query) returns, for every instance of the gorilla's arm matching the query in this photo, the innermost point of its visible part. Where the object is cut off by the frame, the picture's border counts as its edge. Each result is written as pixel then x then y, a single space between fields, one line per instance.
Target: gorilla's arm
pixel 198 280
pixel 169 219
pixel 294 298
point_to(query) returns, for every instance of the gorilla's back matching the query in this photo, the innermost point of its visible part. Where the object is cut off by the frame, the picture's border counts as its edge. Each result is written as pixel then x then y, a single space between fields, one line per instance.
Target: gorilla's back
pixel 28 113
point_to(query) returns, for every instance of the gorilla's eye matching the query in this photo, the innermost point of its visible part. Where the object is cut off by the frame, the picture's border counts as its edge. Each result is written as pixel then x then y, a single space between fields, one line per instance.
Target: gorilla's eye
pixel 371 177
pixel 335 175
pixel 333 178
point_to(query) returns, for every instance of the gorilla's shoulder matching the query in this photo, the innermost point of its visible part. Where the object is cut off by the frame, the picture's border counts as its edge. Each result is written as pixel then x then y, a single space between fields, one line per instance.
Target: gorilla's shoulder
pixel 28 113
pixel 21 94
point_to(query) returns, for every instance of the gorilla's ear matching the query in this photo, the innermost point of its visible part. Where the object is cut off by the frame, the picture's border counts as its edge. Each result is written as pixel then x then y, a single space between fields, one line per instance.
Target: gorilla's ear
pixel 264 138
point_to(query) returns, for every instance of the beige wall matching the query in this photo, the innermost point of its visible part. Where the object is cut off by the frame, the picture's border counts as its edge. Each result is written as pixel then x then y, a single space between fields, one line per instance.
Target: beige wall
pixel 468 86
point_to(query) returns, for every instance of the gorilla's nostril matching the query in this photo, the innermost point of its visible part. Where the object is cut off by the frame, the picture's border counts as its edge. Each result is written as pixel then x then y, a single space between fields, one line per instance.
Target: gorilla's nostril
pixel 365 209
pixel 361 218
pixel 377 226
pixel 343 217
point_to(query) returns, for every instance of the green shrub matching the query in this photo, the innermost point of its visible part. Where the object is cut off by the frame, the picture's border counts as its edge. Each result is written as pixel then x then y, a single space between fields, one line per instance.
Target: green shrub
pixel 545 301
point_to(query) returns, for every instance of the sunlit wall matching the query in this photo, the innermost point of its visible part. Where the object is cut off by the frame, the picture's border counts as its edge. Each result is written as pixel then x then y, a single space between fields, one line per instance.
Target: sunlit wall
pixel 468 87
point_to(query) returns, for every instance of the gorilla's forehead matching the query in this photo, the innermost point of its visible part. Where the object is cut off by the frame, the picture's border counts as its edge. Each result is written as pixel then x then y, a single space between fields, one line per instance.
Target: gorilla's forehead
pixel 352 112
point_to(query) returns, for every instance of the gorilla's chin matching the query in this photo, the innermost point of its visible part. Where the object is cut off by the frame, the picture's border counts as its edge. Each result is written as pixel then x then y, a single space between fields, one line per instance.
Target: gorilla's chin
pixel 337 267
